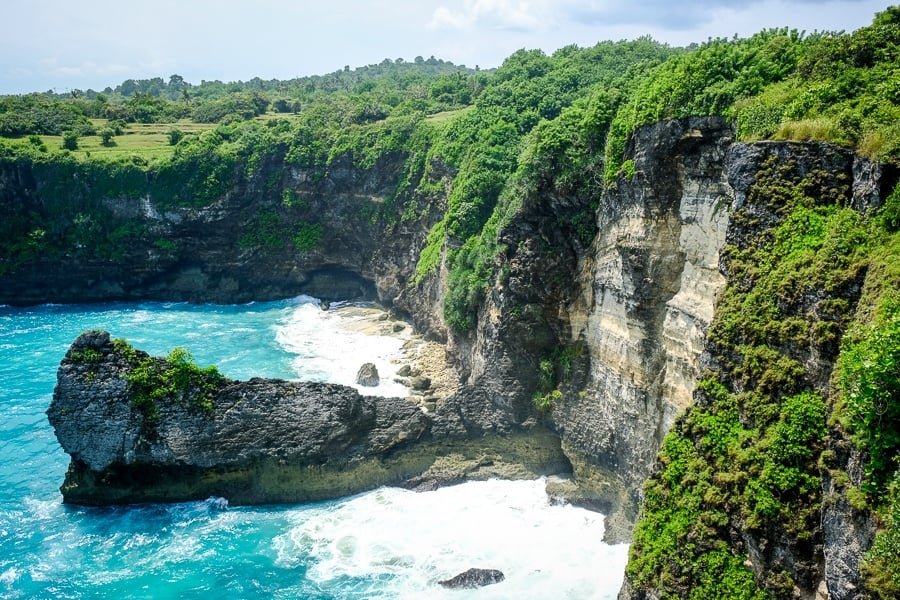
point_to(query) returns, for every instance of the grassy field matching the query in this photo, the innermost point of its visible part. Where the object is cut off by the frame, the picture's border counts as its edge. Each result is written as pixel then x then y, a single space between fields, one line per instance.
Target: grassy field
pixel 447 115
pixel 149 141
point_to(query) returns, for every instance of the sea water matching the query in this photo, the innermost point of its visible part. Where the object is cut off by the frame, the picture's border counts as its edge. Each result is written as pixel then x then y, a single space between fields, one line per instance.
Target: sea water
pixel 388 543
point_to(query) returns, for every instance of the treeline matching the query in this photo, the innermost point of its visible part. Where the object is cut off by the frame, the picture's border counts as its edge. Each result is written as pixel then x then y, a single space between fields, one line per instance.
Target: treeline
pixel 367 93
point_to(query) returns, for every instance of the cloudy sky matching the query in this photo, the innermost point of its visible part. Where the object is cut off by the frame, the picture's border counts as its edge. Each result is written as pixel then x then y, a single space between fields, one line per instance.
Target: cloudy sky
pixel 67 44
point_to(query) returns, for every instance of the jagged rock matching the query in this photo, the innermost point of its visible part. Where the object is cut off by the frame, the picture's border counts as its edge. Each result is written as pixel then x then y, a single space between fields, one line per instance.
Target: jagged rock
pixel 368 375
pixel 404 371
pixel 473 578
pixel 266 440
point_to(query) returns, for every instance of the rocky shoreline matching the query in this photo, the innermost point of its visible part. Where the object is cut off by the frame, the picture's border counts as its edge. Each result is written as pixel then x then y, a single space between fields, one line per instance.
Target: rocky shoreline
pixel 265 440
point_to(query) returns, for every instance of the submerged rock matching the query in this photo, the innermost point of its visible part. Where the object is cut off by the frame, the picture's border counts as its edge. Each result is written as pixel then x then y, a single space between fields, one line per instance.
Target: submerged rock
pixel 368 375
pixel 473 578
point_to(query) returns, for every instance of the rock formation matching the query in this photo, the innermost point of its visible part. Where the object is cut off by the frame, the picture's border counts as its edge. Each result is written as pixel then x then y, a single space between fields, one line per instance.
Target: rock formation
pixel 473 578
pixel 264 441
pixel 368 375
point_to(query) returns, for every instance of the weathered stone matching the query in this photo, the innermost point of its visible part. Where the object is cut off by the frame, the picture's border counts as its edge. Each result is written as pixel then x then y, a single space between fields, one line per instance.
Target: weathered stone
pixel 646 299
pixel 473 578
pixel 404 371
pixel 368 375
pixel 420 383
pixel 269 440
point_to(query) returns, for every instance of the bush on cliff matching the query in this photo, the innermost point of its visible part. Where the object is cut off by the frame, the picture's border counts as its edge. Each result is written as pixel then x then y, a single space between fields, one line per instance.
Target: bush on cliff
pixel 177 378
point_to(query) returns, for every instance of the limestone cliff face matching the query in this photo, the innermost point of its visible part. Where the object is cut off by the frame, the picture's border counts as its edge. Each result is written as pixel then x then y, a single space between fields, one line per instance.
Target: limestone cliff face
pixel 821 557
pixel 639 303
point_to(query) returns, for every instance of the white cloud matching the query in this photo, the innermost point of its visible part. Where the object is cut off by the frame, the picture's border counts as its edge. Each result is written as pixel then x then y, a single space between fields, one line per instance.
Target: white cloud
pixel 511 15
pixel 85 68
pixel 444 18
pixel 534 15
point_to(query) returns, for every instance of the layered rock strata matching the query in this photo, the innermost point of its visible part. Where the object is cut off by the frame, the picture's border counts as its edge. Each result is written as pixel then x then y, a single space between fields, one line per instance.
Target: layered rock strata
pixel 645 297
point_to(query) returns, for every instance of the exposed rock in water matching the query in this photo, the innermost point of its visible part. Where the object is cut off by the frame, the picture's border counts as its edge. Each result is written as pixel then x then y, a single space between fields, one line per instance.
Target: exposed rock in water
pixel 368 375
pixel 266 440
pixel 473 578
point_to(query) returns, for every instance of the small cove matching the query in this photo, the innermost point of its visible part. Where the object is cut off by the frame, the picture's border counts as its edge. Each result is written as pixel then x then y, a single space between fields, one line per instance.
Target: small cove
pixel 388 543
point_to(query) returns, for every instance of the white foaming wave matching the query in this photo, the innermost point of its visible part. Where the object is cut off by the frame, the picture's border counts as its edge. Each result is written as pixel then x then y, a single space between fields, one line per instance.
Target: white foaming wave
pixel 408 541
pixel 42 510
pixel 9 576
pixel 328 349
pixel 304 299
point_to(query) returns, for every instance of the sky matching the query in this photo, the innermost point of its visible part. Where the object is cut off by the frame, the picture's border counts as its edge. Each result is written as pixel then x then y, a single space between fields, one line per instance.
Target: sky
pixel 80 44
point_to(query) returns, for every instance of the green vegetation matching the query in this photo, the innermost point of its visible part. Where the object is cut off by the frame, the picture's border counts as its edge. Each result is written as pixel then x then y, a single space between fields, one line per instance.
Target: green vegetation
pixel 781 84
pixel 267 231
pixel 177 377
pixel 869 385
pixel 870 382
pixel 749 455
pixel 552 374
pixel 70 140
pixel 21 115
pixel 106 136
pixel 881 567
pixel 175 135
pixel 86 355
pixel 539 119
pixel 308 236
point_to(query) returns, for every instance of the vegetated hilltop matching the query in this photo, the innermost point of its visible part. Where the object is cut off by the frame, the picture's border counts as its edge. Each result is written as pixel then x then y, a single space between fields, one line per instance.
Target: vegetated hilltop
pixel 477 197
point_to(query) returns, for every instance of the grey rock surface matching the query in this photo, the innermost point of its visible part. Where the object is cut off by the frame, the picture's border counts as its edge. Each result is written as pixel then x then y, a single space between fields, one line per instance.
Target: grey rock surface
pixel 266 440
pixel 473 578
pixel 368 375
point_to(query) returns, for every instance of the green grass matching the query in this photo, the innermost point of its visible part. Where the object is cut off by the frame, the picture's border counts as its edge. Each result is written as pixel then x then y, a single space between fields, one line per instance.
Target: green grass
pixel 149 141
pixel 447 115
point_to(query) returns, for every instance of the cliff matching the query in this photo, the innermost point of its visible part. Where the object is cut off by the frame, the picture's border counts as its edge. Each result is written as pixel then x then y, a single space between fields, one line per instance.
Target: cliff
pixel 590 342
pixel 752 494
pixel 277 231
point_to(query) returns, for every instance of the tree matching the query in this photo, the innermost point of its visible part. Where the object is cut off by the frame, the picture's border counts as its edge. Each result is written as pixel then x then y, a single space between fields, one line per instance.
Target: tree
pixel 175 136
pixel 106 136
pixel 70 140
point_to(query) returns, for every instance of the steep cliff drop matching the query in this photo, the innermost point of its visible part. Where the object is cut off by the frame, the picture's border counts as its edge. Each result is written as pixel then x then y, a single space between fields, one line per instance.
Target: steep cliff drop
pixel 647 293
pixel 751 496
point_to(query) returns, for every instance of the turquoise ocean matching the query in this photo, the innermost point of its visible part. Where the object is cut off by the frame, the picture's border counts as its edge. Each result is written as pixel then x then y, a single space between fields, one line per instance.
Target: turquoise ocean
pixel 388 543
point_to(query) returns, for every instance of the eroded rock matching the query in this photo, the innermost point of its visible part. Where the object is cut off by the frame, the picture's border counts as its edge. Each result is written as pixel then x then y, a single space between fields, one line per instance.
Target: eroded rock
pixel 368 375
pixel 266 440
pixel 473 578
